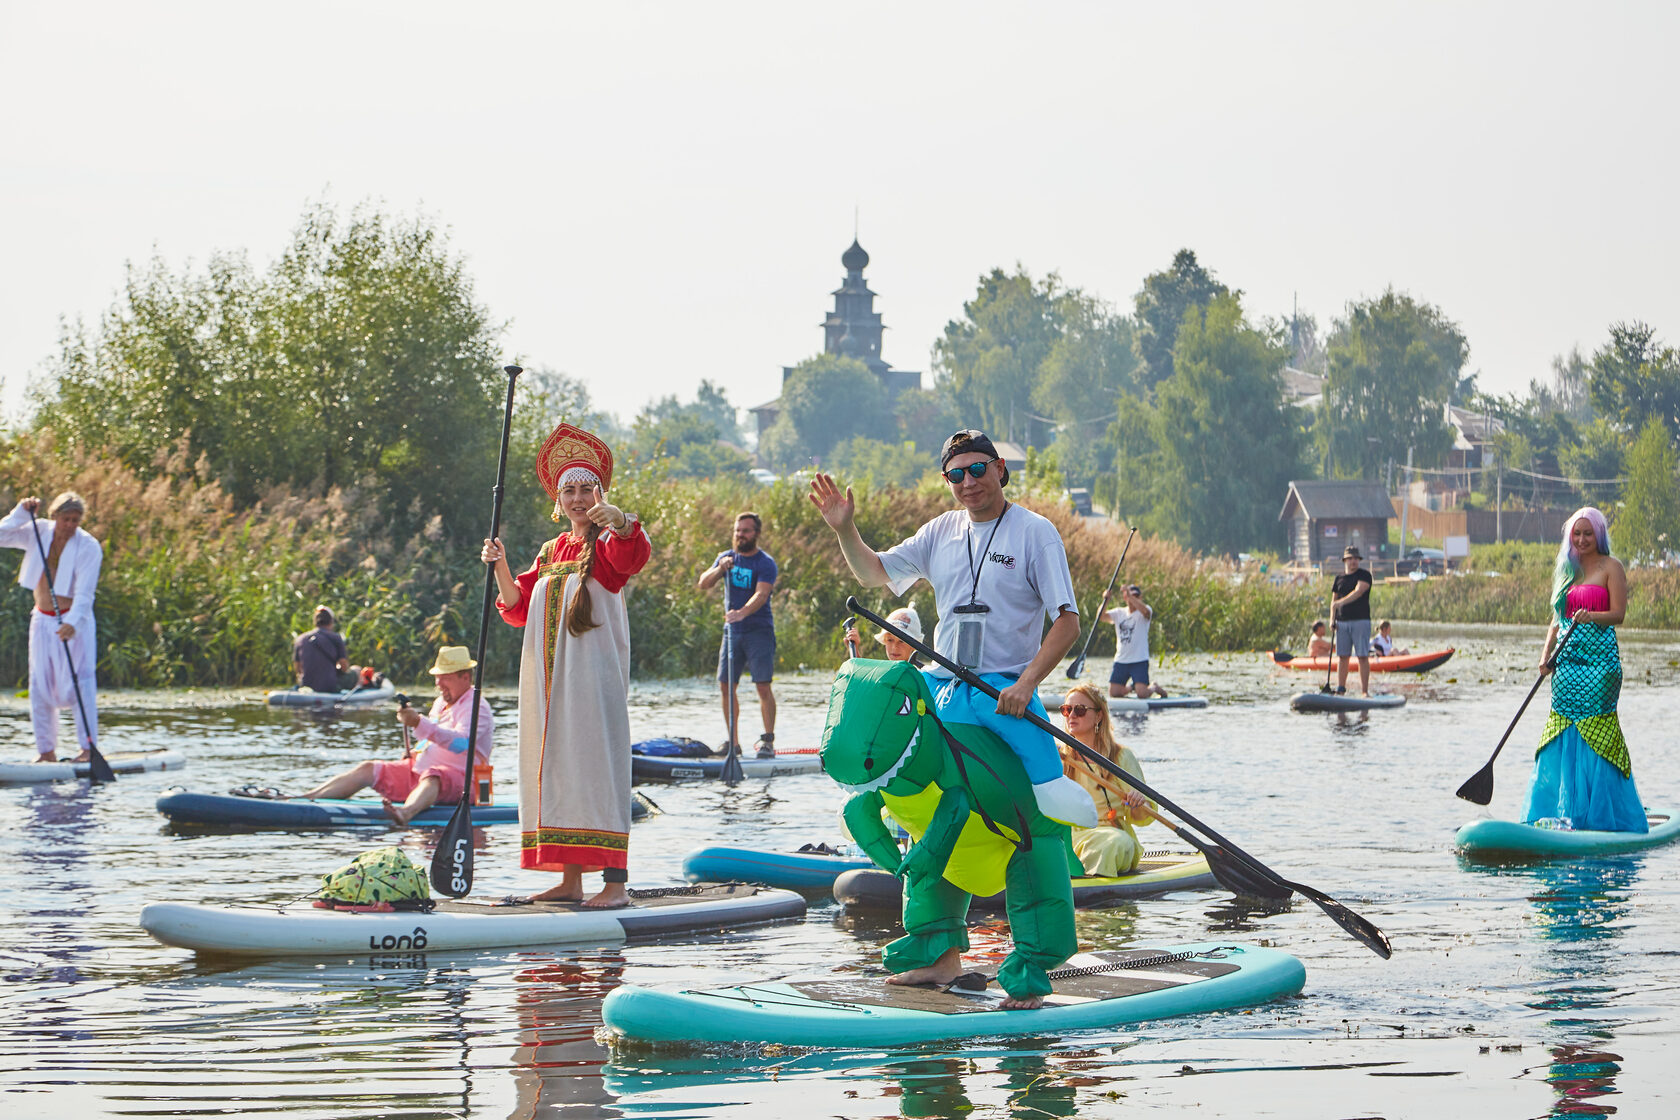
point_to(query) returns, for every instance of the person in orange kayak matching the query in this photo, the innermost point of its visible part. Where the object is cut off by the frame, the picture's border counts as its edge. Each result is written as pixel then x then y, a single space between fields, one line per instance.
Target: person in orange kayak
pixel 1382 642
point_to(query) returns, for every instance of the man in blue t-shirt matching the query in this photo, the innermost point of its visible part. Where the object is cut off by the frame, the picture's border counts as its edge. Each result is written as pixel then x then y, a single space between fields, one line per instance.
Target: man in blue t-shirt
pixel 320 658
pixel 749 641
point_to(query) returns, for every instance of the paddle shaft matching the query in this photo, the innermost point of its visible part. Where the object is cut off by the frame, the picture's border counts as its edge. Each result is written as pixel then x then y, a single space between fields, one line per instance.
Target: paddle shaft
pixel 1551 664
pixel 98 769
pixel 1077 665
pixel 851 646
pixel 973 681
pixel 452 862
pixel 1330 661
pixel 731 772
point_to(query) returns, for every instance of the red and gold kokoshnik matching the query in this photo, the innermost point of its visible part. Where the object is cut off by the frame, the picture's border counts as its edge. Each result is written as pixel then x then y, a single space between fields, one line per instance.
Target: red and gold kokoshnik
pixel 570 446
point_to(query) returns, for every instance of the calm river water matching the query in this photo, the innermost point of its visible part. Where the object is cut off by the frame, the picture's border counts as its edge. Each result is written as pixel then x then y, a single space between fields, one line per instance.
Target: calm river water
pixel 1521 991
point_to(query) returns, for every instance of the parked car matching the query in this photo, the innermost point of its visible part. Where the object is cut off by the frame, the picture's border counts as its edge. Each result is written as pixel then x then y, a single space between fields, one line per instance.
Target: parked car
pixel 1429 561
pixel 763 477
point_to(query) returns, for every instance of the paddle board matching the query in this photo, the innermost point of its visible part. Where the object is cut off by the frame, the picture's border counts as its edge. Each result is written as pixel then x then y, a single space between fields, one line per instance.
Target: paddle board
pixel 1157 873
pixel 122 762
pixel 300 929
pixel 795 871
pixel 1330 702
pixel 355 697
pixel 1380 663
pixel 849 1011
pixel 1509 838
pixel 222 810
pixel 674 768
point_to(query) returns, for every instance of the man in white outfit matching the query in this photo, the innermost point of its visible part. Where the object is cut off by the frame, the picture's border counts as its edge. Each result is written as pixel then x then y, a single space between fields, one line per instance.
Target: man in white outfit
pixel 72 572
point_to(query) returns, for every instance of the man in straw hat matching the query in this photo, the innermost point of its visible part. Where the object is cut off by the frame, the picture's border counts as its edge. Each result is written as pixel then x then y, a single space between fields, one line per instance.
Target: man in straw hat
pixel 437 765
pixel 71 572
pixel 1350 607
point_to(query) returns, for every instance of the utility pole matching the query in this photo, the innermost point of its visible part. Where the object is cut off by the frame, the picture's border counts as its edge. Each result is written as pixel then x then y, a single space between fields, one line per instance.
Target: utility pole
pixel 1405 502
pixel 1498 501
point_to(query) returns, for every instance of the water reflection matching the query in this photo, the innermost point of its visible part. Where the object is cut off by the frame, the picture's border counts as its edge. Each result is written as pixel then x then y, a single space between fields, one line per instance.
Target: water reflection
pixel 559 1067
pixel 1580 912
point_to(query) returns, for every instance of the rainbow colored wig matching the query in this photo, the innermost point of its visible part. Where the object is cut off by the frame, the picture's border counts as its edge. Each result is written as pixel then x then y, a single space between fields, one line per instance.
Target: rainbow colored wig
pixel 1569 561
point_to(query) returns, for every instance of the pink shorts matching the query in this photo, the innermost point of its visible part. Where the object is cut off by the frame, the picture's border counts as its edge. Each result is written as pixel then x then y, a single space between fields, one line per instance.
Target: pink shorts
pixel 396 780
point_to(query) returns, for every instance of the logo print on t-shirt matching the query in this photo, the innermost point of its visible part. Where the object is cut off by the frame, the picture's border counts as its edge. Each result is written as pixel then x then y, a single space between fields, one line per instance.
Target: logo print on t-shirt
pixel 740 577
pixel 1001 558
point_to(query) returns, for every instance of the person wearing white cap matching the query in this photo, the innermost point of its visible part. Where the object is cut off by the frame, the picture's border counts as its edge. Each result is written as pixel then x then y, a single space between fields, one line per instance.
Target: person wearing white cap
pixel 907 620
pixel 435 769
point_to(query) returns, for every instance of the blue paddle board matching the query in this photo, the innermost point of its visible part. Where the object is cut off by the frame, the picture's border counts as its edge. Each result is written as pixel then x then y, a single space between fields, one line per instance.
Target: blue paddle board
pixel 851 1011
pixel 1509 838
pixel 795 871
pixel 184 807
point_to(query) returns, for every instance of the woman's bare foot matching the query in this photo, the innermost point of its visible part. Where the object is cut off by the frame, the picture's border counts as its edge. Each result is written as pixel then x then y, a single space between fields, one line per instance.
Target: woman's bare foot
pixel 562 891
pixel 1029 1003
pixel 50 757
pixel 612 896
pixel 942 971
pixel 83 757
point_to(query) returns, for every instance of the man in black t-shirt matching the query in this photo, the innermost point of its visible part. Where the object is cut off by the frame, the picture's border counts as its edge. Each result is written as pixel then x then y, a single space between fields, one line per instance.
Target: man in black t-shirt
pixel 1350 607
pixel 320 656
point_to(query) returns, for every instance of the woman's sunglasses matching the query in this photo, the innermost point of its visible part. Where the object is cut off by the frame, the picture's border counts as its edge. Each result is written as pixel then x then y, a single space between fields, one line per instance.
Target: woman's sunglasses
pixel 973 470
pixel 1076 710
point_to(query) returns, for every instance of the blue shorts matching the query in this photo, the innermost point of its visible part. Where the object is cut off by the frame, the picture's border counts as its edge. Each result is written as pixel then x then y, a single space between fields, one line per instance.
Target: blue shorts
pixel 1125 672
pixel 1353 638
pixel 755 651
pixel 958 703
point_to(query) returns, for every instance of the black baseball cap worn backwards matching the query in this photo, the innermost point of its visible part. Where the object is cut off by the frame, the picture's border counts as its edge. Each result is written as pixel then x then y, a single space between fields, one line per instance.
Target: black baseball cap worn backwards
pixel 963 442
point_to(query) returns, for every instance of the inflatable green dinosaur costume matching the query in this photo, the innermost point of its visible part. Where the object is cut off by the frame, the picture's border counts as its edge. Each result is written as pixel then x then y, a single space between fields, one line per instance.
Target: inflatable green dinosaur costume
pixel 884 743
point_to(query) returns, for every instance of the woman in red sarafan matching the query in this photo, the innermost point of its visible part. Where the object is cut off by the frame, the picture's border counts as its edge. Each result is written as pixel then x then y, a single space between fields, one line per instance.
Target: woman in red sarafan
pixel 574 674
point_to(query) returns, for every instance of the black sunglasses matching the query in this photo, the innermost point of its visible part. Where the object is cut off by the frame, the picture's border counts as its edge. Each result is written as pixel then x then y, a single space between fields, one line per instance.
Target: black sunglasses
pixel 973 470
pixel 1076 710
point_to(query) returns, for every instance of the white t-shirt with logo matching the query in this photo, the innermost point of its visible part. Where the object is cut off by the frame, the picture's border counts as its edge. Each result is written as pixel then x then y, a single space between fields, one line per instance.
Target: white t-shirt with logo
pixel 1131 633
pixel 1024 579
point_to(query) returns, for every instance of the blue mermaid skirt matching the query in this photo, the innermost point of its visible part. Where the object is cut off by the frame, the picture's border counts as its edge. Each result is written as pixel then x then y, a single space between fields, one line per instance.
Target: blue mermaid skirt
pixel 1572 780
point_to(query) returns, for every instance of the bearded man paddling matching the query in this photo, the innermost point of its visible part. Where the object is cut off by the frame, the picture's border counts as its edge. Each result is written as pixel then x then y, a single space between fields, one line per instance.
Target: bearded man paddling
pixel 74 559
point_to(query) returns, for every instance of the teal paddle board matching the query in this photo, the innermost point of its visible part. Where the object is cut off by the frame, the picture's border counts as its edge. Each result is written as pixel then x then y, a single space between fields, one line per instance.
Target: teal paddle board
pixel 1094 990
pixel 794 871
pixel 1511 839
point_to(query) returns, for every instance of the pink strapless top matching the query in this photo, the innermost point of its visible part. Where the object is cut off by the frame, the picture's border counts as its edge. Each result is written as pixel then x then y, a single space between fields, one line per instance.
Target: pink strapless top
pixel 1589 596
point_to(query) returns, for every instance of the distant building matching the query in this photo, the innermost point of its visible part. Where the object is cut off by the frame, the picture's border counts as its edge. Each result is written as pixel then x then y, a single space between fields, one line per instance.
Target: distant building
pixel 1302 389
pixel 852 329
pixel 1326 517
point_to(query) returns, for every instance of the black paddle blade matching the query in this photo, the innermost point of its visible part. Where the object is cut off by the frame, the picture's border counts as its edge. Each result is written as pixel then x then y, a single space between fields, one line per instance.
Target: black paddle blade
pixel 1236 877
pixel 1478 788
pixel 1282 658
pixel 1361 928
pixel 452 862
pixel 732 774
pixel 98 769
pixel 1076 668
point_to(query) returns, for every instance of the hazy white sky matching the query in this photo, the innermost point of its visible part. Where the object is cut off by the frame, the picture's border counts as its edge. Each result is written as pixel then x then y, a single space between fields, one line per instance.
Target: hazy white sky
pixel 654 193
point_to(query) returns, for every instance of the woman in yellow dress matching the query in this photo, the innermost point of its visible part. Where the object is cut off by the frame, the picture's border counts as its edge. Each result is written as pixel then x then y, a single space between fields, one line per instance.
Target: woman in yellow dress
pixel 1112 847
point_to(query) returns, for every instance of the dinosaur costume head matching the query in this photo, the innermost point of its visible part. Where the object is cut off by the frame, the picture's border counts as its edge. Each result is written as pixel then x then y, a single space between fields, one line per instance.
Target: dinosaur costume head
pixel 880 734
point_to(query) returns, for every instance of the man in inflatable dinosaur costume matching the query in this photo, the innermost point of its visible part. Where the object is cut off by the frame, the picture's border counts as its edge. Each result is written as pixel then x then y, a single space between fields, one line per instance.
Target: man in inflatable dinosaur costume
pixel 965 799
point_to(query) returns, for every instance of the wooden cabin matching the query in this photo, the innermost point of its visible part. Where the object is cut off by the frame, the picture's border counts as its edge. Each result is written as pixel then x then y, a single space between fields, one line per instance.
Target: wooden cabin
pixel 1325 517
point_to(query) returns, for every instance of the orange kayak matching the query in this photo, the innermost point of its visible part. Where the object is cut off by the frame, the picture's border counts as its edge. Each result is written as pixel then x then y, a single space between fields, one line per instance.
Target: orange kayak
pixel 1398 663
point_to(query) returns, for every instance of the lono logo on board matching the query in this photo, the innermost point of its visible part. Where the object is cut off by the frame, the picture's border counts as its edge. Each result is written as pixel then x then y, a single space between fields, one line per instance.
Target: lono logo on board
pixel 415 940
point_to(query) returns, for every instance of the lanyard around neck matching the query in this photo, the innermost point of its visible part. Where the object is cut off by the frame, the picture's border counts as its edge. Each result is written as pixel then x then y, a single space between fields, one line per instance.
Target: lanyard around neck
pixel 975 569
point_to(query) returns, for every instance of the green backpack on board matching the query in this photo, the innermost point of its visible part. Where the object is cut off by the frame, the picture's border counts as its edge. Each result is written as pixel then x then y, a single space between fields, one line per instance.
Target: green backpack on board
pixel 383 875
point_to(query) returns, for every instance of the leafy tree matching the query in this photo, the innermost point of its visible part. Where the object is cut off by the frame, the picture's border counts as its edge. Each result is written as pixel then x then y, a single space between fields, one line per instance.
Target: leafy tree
pixel 690 444
pixel 1635 378
pixel 828 399
pixel 927 416
pixel 989 360
pixel 1161 305
pixel 1568 393
pixel 1599 452
pixel 1091 363
pixel 1394 365
pixel 880 463
pixel 711 405
pixel 362 353
pixel 1221 444
pixel 1647 525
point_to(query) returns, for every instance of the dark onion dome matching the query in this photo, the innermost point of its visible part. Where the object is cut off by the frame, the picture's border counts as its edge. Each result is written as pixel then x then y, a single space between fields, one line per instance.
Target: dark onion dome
pixel 855 259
